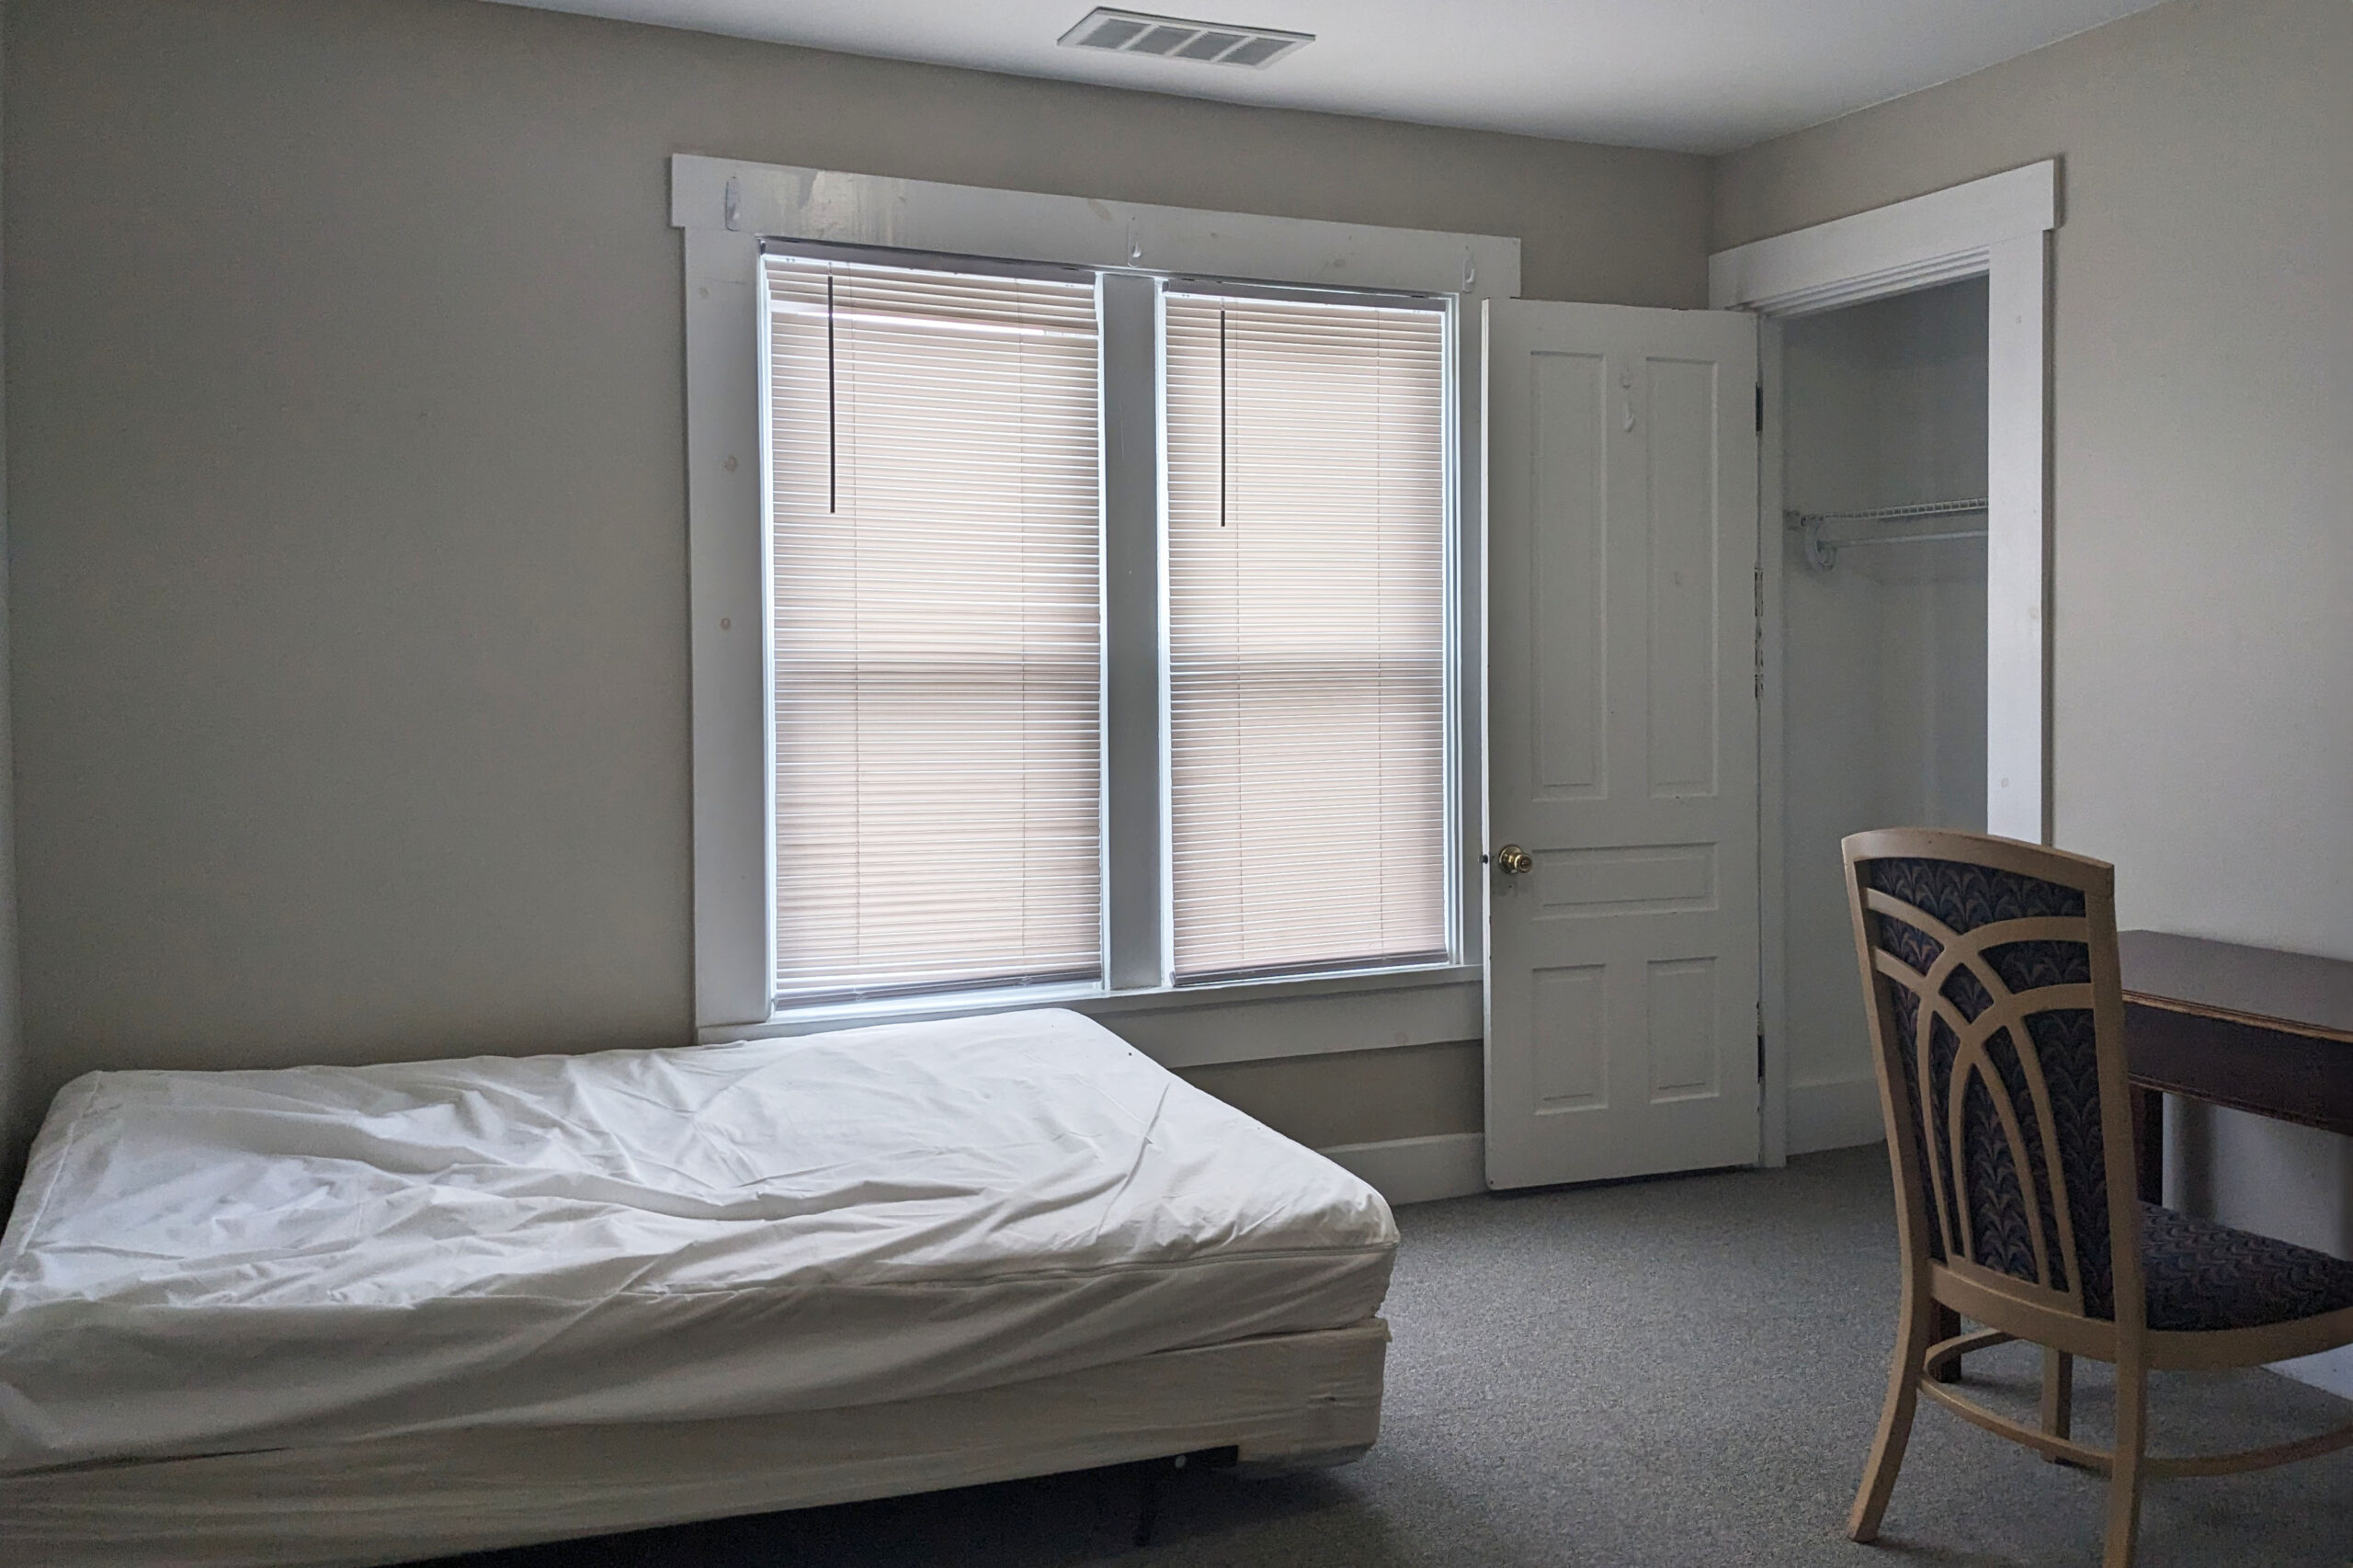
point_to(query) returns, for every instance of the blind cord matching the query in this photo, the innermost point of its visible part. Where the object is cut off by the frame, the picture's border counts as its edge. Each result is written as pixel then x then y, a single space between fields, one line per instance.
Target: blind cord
pixel 1222 426
pixel 832 440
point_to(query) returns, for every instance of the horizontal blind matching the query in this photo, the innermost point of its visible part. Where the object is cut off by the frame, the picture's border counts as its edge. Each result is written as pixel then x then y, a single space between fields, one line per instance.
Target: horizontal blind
pixel 1307 634
pixel 936 545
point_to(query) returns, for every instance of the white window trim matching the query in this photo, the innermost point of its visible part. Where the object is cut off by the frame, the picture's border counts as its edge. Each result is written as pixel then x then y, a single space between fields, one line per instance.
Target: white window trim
pixel 726 207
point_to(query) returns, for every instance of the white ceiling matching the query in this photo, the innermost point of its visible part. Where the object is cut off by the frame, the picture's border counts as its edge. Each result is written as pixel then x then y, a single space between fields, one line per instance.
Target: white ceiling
pixel 1697 76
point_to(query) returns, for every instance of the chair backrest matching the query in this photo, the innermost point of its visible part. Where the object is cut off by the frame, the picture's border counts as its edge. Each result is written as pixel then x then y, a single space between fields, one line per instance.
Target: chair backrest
pixel 1990 970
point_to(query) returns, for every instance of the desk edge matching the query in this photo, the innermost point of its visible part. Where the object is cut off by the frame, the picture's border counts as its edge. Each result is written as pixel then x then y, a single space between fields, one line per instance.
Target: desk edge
pixel 2231 1016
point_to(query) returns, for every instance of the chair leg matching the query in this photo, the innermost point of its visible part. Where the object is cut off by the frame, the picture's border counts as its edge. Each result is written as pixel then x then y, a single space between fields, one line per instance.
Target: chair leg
pixel 1944 1324
pixel 2058 1395
pixel 1915 1332
pixel 2124 1474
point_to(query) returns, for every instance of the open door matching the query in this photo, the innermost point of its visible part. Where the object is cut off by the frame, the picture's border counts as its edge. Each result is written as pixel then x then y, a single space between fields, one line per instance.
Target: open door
pixel 1622 831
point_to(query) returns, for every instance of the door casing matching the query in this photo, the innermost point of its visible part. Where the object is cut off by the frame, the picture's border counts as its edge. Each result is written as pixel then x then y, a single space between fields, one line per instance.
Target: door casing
pixel 1997 228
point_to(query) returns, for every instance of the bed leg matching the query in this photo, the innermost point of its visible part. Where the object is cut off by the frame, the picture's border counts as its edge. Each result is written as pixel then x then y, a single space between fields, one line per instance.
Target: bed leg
pixel 1154 1474
pixel 1147 1503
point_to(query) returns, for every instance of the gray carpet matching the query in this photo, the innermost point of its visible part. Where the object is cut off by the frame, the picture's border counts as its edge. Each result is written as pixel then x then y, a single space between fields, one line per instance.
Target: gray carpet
pixel 1681 1373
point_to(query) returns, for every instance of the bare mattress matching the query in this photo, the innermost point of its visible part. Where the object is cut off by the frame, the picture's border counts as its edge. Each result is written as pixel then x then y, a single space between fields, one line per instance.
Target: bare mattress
pixel 219 1263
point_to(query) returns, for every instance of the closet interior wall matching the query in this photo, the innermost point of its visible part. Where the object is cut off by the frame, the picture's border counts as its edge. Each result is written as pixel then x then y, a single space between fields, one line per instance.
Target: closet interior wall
pixel 1884 404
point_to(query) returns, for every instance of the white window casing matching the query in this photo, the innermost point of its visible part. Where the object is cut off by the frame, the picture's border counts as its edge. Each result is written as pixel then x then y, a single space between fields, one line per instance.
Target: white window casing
pixel 726 210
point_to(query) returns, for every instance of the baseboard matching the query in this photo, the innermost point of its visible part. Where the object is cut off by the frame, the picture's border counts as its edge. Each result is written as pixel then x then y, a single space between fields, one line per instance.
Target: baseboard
pixel 1834 1115
pixel 1417 1170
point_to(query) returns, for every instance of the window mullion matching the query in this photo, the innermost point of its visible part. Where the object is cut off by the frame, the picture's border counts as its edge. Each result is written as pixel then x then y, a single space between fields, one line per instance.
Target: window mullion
pixel 1133 825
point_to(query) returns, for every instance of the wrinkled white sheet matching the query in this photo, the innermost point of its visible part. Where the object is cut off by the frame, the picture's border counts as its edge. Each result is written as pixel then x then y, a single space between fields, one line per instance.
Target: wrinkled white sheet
pixel 214 1262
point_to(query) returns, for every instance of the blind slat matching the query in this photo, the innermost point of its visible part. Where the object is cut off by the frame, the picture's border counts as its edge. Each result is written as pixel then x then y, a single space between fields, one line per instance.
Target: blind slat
pixel 1307 618
pixel 936 545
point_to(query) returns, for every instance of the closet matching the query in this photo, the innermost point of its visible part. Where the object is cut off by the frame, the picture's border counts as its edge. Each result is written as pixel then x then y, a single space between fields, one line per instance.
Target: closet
pixel 1883 610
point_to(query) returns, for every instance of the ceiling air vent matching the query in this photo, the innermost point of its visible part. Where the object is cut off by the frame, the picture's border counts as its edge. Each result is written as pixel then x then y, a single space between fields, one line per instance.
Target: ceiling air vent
pixel 1171 37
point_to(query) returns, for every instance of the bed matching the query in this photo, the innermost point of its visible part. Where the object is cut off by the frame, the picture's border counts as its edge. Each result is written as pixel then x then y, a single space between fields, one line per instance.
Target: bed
pixel 367 1315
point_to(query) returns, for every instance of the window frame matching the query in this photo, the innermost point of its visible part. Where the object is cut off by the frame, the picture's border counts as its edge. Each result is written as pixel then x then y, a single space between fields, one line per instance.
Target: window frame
pixel 727 210
pixel 1009 991
pixel 1447 306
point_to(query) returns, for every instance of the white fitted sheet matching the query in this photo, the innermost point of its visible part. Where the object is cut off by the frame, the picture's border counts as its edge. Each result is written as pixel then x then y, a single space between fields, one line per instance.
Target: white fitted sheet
pixel 216 1262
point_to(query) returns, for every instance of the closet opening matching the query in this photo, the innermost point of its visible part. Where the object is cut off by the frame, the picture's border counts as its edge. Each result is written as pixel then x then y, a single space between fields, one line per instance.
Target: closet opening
pixel 1882 605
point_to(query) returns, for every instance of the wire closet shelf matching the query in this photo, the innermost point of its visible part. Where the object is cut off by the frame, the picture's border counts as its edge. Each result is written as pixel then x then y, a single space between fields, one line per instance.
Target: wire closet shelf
pixel 1826 533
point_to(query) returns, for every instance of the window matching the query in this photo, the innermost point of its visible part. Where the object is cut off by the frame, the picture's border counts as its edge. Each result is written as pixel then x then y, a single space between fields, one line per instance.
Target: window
pixel 937 443
pixel 1004 717
pixel 1307 712
pixel 937 609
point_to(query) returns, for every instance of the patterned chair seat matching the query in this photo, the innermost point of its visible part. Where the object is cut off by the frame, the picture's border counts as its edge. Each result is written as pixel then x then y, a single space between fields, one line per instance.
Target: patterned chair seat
pixel 2205 1276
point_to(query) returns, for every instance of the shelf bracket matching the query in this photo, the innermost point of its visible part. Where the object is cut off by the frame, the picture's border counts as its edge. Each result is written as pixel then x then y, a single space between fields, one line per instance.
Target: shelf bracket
pixel 1822 550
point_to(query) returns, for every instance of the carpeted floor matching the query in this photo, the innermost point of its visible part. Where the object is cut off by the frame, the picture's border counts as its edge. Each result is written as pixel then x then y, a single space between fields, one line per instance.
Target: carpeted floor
pixel 1679 1373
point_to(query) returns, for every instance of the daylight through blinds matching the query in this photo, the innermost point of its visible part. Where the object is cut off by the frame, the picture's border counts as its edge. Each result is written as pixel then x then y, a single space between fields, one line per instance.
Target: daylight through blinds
pixel 1306 453
pixel 936 537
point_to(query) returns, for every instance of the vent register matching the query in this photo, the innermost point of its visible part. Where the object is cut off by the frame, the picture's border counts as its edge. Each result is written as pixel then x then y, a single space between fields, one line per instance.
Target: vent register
pixel 1172 38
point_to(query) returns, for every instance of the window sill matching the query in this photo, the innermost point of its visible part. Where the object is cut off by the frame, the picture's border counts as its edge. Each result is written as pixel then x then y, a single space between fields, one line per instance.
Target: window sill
pixel 1201 1025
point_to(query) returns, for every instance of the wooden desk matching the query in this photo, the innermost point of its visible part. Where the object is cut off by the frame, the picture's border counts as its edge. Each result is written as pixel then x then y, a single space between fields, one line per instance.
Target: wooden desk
pixel 2248 1028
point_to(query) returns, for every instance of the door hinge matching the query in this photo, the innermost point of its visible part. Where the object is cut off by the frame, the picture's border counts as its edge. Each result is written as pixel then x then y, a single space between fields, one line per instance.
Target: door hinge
pixel 1760 408
pixel 1760 1059
pixel 1756 629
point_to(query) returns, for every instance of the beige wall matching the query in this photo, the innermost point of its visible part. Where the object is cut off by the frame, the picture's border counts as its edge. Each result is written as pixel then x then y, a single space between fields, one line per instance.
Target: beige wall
pixel 12 1040
pixel 345 347
pixel 1412 1092
pixel 2203 458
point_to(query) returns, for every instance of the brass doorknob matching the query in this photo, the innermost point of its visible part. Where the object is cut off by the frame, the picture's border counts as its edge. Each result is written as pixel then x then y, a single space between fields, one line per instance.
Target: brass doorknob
pixel 1515 861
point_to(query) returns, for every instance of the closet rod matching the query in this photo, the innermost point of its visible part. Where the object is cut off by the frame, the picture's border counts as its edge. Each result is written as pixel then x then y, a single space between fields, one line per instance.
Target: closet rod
pixel 1893 514
pixel 1824 553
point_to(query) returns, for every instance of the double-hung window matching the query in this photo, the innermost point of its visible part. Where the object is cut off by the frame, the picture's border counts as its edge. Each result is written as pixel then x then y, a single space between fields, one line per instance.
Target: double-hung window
pixel 1306 547
pixel 939 447
pixel 934 545
pixel 1081 599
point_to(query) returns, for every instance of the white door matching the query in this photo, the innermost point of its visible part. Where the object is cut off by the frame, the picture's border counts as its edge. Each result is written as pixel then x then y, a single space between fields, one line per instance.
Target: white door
pixel 1622 971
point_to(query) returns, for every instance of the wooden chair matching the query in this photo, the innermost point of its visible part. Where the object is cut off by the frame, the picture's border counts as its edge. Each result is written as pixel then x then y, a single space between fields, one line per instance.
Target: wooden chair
pixel 1990 971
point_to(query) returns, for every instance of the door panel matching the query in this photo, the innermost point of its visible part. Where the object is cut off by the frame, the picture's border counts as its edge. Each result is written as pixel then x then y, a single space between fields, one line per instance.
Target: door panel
pixel 1566 427
pixel 1622 976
